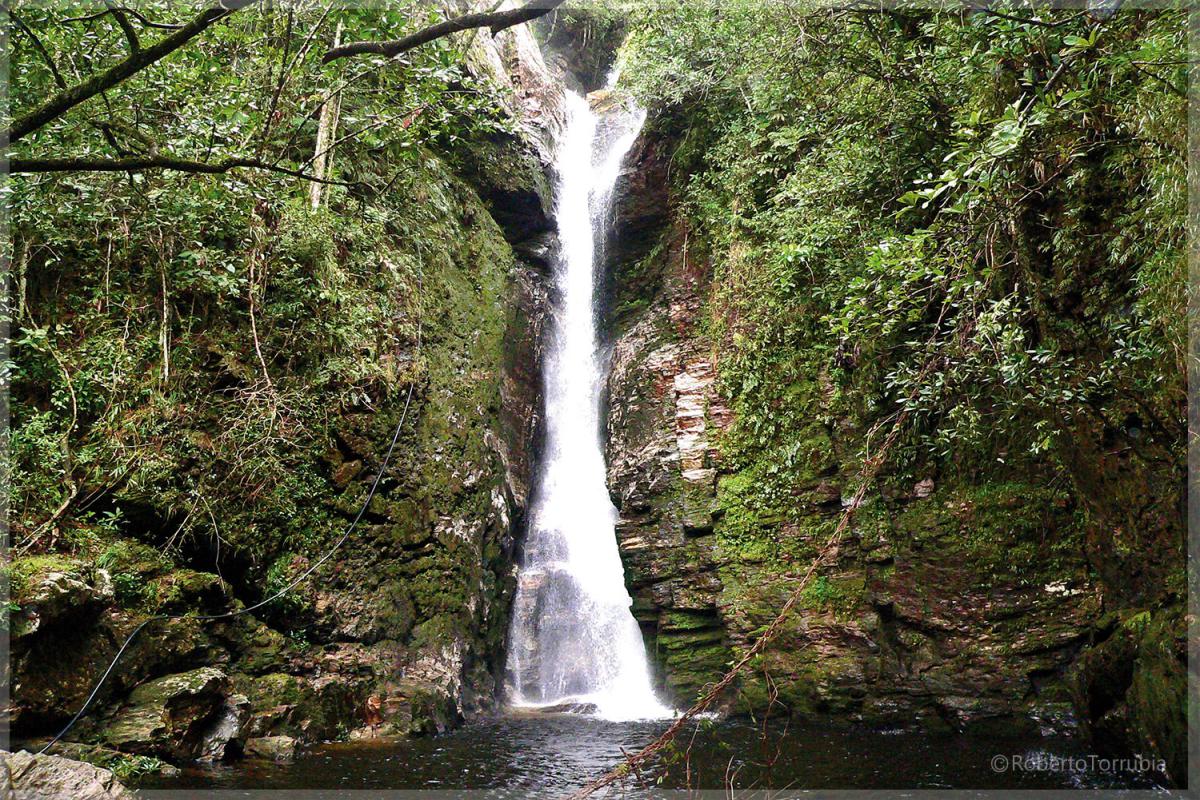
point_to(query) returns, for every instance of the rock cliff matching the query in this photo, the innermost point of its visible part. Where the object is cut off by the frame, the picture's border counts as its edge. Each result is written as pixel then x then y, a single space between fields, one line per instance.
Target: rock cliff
pixel 955 600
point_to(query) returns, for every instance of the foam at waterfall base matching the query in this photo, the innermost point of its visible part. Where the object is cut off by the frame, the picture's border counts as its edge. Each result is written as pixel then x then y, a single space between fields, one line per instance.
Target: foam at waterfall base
pixel 612 706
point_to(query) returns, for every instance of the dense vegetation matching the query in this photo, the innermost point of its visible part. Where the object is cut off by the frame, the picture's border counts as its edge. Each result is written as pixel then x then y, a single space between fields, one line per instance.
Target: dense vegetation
pixel 976 216
pixel 970 224
pixel 234 271
pixel 129 285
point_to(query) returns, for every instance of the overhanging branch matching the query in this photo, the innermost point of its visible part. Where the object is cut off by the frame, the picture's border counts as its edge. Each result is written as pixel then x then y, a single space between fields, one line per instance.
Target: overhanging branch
pixel 138 60
pixel 143 163
pixel 496 21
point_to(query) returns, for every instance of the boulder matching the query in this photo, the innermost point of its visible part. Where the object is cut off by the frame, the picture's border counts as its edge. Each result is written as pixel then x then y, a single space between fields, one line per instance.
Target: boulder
pixel 309 708
pixel 272 748
pixel 188 716
pixel 57 595
pixel 25 776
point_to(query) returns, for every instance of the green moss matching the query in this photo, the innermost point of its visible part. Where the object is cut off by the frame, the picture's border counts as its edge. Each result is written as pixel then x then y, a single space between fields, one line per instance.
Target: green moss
pixel 686 620
pixel 1011 532
pixel 136 558
pixel 693 662
pixel 1158 694
pixel 27 571
pixel 292 706
pixel 841 594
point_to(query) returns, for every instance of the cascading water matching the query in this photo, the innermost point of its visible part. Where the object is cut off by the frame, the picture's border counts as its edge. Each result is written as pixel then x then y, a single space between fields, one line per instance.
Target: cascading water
pixel 574 639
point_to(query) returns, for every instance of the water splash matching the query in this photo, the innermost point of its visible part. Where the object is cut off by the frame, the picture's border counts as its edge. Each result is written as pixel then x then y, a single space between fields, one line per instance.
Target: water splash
pixel 574 640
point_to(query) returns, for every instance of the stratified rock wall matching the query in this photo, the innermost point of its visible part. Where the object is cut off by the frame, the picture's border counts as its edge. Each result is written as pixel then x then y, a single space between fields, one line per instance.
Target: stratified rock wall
pixel 661 473
pixel 920 620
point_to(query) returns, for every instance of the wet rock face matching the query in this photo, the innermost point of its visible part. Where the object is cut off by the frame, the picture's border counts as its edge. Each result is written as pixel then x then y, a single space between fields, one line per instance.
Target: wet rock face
pixel 546 640
pixel 910 626
pixel 637 223
pixel 66 633
pixel 512 183
pixel 918 622
pixel 663 411
pixel 511 171
pixel 580 45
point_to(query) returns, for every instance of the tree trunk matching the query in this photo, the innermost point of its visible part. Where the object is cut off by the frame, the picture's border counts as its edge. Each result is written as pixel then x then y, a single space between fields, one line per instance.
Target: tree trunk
pixel 326 133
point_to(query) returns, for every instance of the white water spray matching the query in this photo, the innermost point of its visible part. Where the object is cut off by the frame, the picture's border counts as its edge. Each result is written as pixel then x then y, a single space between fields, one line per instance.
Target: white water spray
pixel 574 640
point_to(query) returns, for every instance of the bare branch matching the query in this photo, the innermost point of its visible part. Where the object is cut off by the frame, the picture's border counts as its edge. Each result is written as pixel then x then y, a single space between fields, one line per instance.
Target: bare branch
pixel 143 163
pixel 131 35
pixel 496 21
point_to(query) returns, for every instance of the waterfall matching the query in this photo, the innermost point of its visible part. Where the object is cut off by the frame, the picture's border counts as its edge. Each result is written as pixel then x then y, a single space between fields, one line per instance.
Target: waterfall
pixel 574 640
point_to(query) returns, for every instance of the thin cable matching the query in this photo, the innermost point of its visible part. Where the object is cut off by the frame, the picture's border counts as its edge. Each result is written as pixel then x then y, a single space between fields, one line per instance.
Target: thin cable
pixel 99 683
pixel 238 612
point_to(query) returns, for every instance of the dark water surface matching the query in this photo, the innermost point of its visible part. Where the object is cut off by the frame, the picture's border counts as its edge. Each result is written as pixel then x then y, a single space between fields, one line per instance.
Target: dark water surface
pixel 553 755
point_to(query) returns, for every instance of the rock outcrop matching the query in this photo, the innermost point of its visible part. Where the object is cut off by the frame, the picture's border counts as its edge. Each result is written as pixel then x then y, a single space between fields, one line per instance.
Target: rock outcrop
pixel 947 605
pixel 56 596
pixel 184 717
pixel 661 471
pixel 25 776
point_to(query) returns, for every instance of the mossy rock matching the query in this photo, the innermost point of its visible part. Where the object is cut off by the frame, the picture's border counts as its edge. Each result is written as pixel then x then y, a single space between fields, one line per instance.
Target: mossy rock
pixel 1131 687
pixel 170 716
pixel 51 590
pixel 290 705
pixel 185 590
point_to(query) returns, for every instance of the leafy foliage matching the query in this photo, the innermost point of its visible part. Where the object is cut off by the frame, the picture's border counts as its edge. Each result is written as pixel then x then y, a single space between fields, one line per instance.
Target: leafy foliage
pixel 186 347
pixel 253 85
pixel 977 216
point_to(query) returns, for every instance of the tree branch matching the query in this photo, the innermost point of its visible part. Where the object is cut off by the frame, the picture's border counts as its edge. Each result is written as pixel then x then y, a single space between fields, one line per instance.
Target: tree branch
pixel 991 12
pixel 133 12
pixel 143 163
pixel 135 45
pixel 37 44
pixel 1172 88
pixel 67 99
pixel 496 21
